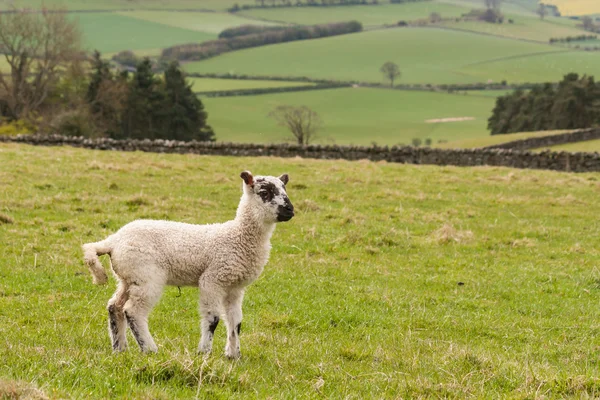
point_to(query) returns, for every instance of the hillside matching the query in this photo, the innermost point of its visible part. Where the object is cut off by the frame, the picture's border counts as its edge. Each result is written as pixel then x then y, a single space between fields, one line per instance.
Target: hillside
pixel 576 7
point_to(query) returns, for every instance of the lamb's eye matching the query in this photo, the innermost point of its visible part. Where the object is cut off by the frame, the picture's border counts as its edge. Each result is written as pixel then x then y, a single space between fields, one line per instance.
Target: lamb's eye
pixel 263 195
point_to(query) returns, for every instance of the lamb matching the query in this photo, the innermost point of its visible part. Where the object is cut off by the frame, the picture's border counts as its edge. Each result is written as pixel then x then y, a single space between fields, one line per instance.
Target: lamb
pixel 221 259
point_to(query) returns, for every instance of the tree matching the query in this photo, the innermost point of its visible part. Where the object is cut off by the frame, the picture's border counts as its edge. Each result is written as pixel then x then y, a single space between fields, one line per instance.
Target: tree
pixel 302 122
pixel 38 48
pixel 390 71
pixel 492 4
pixel 541 10
pixel 144 104
pixel 435 17
pixel 588 23
pixel 185 118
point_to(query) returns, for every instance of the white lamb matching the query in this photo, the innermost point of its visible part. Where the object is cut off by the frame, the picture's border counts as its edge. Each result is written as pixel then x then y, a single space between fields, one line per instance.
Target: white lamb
pixel 222 259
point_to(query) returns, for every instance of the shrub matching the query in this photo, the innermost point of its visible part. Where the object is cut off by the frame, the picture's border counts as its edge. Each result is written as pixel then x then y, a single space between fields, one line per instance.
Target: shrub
pixel 73 123
pixel 16 128
pixel 416 142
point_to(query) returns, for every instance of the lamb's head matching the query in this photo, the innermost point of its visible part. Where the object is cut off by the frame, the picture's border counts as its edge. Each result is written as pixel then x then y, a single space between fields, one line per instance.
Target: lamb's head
pixel 268 196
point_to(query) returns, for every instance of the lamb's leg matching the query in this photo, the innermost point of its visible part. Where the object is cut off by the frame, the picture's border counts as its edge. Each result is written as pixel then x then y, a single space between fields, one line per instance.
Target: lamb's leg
pixel 233 320
pixel 117 325
pixel 137 308
pixel 211 301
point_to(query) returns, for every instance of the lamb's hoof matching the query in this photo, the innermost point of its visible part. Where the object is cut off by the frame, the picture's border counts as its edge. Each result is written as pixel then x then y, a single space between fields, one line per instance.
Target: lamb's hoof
pixel 204 350
pixel 233 355
pixel 150 349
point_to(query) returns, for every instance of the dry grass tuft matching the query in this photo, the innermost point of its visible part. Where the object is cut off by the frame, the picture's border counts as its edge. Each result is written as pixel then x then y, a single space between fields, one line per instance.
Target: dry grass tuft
pixel 448 233
pixel 307 205
pixel 524 242
pixel 20 390
pixel 6 219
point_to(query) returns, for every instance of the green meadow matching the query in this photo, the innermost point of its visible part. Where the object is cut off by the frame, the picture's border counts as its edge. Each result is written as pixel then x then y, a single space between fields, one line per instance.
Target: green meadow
pixel 523 27
pixel 127 33
pixel 391 281
pixel 466 58
pixel 587 146
pixel 357 116
pixel 90 5
pixel 489 140
pixel 367 15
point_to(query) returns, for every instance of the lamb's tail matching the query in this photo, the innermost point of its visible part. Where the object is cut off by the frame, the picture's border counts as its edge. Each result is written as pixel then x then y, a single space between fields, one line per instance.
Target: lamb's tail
pixel 91 251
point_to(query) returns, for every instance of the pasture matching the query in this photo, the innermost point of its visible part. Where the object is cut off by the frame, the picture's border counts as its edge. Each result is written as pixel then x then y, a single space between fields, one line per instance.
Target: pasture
pixel 367 15
pixel 392 280
pixel 466 58
pixel 357 116
pixel 491 140
pixel 523 27
pixel 115 5
pixel 127 33
pixel 586 146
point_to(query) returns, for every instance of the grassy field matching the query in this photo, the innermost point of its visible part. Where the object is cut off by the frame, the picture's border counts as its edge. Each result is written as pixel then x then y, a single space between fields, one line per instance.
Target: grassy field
pixel 354 116
pixel 466 58
pixel 219 5
pixel 391 281
pixel 209 22
pixel 587 146
pixel 367 15
pixel 528 28
pixel 490 140
pixel 128 33
pixel 576 7
pixel 210 84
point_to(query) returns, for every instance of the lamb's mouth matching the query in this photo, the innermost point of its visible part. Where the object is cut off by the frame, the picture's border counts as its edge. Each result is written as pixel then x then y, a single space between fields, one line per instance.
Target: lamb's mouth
pixel 285 214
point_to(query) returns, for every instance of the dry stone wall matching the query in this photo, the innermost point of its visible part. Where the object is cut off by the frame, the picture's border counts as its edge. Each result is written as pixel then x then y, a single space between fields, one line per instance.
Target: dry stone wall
pixel 562 161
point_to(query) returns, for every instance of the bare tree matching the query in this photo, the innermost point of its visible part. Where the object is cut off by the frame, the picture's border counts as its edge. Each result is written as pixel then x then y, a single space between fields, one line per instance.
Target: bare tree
pixel 301 121
pixel 541 10
pixel 492 4
pixel 390 71
pixel 38 47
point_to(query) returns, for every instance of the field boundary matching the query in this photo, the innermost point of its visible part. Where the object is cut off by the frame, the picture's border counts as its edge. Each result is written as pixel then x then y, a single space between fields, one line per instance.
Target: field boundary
pixel 580 135
pixel 271 90
pixel 557 161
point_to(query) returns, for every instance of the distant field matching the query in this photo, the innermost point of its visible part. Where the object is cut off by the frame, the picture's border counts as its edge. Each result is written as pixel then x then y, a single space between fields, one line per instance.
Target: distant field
pixel 491 140
pixel 111 32
pixel 127 4
pixel 368 15
pixel 208 22
pixel 587 146
pixel 209 84
pixel 485 93
pixel 537 68
pixel 425 55
pixel 354 116
pixel 576 7
pixel 529 28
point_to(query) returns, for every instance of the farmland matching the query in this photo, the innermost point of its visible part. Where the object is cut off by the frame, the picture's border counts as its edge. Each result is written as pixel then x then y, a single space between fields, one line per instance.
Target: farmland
pixel 467 58
pixel 576 7
pixel 452 282
pixel 400 116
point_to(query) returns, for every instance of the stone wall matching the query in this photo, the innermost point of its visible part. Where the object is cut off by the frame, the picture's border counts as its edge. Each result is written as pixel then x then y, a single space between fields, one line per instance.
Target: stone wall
pixel 563 161
pixel 550 140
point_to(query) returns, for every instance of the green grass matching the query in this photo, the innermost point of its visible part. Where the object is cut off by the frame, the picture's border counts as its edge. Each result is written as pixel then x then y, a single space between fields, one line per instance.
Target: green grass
pixel 127 33
pixel 425 55
pixel 353 116
pixel 491 140
pixel 210 84
pixel 391 281
pixel 588 146
pixel 208 22
pixel 528 28
pixel 219 5
pixel 367 15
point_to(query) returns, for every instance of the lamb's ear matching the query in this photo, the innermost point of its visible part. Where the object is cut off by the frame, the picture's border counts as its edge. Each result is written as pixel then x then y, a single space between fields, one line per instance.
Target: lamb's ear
pixel 284 178
pixel 247 177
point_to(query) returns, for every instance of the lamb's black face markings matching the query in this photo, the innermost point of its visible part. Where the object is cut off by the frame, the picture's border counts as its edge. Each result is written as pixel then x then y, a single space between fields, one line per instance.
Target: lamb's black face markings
pixel 267 190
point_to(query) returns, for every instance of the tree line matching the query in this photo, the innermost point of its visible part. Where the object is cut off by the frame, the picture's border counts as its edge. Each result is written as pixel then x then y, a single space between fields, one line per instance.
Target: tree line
pixel 573 103
pixel 54 87
pixel 204 50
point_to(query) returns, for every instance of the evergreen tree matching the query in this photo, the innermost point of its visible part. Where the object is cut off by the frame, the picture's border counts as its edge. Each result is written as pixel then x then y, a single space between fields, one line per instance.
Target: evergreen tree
pixel 184 117
pixel 144 105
